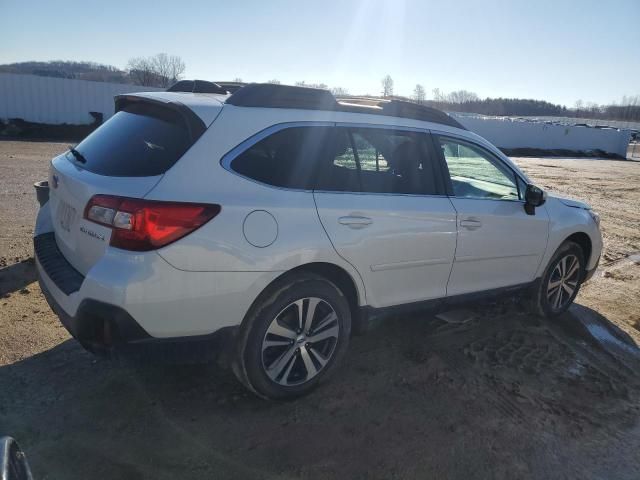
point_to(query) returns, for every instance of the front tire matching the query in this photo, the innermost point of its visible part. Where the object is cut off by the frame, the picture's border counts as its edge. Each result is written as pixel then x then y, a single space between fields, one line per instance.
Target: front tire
pixel 561 281
pixel 293 337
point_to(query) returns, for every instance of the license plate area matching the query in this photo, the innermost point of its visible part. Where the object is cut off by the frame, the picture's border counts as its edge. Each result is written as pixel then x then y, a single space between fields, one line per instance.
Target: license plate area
pixel 66 216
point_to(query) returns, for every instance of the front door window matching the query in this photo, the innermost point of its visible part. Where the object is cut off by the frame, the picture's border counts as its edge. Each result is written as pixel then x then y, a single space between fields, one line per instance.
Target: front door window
pixel 475 174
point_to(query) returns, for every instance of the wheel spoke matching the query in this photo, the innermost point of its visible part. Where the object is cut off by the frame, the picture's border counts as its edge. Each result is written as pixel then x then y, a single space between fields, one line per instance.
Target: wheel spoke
pixel 330 318
pixel 311 310
pixel 563 266
pixel 558 298
pixel 331 332
pixel 285 376
pixel 308 363
pixel 568 289
pixel 275 369
pixel 553 285
pixel 322 360
pixel 572 268
pixel 276 343
pixel 276 329
pixel 299 305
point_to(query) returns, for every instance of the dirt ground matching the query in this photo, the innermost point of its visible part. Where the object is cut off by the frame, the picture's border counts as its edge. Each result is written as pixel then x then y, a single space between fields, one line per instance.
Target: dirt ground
pixel 505 395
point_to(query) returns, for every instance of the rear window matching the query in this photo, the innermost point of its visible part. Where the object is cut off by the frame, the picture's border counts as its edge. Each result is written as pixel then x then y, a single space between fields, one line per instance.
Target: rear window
pixel 141 140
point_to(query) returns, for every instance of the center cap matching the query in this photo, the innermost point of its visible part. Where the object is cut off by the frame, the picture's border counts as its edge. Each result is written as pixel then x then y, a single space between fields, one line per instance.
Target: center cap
pixel 301 338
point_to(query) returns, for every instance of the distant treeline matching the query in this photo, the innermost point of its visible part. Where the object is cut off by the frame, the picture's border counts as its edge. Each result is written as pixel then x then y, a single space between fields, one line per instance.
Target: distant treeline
pixel 464 101
pixel 521 107
pixel 504 106
pixel 162 70
pixel 76 70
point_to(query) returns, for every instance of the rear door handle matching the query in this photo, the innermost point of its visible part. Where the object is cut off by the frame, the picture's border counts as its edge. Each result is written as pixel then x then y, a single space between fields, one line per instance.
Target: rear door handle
pixel 470 223
pixel 355 221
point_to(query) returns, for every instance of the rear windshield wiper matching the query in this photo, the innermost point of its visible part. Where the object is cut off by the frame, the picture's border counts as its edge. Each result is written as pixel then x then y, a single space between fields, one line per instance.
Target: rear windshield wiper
pixel 78 156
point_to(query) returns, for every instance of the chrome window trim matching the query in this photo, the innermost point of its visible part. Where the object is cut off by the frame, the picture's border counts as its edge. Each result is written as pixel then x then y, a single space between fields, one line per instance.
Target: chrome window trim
pixel 381 127
pixel 243 146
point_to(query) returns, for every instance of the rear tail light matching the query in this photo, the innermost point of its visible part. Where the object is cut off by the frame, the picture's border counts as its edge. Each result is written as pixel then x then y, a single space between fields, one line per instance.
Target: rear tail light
pixel 143 225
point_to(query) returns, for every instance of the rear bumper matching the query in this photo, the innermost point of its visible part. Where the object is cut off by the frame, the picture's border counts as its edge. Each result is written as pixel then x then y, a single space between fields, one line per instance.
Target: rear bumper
pixel 108 330
pixel 138 303
pixel 96 325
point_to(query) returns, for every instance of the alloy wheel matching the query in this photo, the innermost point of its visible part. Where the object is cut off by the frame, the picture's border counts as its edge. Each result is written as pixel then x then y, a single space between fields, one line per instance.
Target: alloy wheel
pixel 563 282
pixel 300 341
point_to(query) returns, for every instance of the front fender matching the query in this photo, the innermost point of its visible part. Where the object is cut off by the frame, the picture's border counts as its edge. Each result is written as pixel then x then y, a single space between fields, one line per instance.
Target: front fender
pixel 564 221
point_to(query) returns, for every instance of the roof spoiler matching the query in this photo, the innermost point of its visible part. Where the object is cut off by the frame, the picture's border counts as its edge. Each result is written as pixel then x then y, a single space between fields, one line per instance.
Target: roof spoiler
pixel 193 122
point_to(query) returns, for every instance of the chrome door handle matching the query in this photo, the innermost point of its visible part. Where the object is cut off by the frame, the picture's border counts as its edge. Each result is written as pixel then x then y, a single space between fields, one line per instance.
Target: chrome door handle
pixel 355 221
pixel 470 224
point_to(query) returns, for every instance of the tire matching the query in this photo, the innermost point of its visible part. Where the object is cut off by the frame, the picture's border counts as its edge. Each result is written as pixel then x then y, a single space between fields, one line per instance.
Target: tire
pixel 553 300
pixel 275 359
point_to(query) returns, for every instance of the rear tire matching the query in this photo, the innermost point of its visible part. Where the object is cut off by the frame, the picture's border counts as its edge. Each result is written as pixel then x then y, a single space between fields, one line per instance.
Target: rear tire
pixel 561 281
pixel 293 337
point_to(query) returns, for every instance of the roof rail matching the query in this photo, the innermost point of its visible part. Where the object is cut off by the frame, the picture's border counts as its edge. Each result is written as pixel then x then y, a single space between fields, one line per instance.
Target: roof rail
pixel 269 95
pixel 197 86
pixel 400 108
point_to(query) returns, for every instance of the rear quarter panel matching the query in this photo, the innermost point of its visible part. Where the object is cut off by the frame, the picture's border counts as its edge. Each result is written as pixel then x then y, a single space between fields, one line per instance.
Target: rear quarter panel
pixel 220 245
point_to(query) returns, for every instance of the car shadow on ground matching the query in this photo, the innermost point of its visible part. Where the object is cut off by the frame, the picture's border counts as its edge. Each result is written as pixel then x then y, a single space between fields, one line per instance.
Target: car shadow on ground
pixel 17 276
pixel 504 395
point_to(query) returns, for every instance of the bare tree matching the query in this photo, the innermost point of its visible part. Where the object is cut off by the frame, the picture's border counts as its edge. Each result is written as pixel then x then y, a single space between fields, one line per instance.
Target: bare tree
pixel 274 81
pixel 437 95
pixel 323 86
pixel 461 96
pixel 419 94
pixel 141 72
pixel 237 80
pixel 387 86
pixel 339 91
pixel 169 68
pixel 161 70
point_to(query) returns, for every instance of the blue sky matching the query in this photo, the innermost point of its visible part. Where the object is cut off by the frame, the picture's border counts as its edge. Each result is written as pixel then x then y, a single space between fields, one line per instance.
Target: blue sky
pixel 555 50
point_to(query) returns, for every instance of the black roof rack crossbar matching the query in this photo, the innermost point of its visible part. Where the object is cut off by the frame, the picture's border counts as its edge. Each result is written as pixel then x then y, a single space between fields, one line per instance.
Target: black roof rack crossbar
pixel 269 95
pixel 197 86
pixel 231 87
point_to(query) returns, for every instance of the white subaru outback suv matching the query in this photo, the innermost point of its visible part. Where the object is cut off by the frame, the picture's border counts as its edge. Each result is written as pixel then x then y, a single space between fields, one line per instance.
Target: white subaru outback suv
pixel 276 220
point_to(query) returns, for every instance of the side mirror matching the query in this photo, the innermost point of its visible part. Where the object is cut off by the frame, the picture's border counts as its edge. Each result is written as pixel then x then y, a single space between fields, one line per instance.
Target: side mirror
pixel 13 463
pixel 533 197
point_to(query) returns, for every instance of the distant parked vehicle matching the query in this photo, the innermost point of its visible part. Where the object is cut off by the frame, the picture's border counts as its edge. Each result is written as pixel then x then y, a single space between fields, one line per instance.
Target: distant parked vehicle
pixel 281 218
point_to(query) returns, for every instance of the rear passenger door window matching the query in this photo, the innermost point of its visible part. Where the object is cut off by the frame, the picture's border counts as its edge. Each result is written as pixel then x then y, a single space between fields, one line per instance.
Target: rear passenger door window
pixel 373 160
pixel 339 168
pixel 287 158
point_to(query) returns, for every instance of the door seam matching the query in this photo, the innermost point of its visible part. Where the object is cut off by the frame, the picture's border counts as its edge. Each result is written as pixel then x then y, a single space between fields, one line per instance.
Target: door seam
pixel 455 250
pixel 364 287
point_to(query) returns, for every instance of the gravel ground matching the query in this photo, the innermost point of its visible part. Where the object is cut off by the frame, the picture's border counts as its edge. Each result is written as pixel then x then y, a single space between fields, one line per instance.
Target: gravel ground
pixel 505 395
